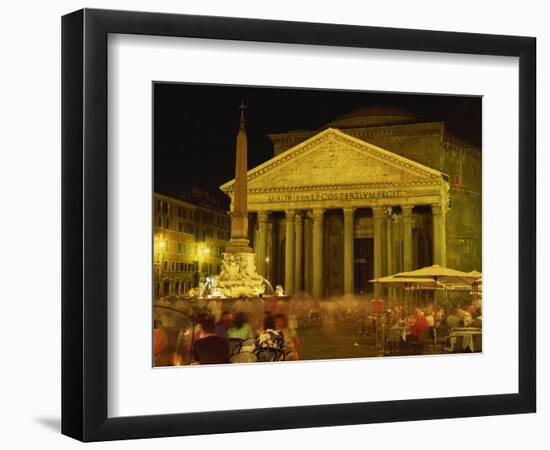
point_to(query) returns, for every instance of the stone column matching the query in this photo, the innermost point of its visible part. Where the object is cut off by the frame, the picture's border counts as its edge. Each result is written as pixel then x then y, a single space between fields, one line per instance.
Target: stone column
pixel 289 251
pixel 299 258
pixel 378 215
pixel 389 242
pixel 439 235
pixel 318 218
pixel 406 212
pixel 348 250
pixel 269 254
pixel 307 254
pixel 262 242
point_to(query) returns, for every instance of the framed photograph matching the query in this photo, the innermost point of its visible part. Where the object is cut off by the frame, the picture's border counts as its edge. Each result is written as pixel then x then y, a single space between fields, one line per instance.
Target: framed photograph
pixel 273 224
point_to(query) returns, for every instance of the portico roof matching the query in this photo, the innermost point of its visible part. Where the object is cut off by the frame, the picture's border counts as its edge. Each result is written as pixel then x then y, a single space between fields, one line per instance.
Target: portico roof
pixel 333 161
pixel 333 168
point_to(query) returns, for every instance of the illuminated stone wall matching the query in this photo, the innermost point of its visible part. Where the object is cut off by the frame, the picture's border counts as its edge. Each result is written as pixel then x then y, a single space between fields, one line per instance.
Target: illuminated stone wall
pixel 431 145
pixel 189 240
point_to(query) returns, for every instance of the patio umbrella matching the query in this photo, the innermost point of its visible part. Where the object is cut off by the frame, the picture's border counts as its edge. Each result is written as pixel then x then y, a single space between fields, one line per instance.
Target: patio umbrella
pixel 475 273
pixel 395 281
pixel 444 275
pixel 407 283
pixel 472 285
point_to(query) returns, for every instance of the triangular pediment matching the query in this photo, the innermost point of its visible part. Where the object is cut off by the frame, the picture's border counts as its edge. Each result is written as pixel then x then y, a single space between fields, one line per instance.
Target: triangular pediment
pixel 333 158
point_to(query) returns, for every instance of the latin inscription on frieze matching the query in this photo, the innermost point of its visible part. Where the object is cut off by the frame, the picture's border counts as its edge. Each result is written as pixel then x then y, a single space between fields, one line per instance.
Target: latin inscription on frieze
pixel 342 196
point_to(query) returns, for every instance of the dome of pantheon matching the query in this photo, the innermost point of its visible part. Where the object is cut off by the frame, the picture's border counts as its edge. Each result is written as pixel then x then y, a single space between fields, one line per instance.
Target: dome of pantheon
pixel 373 116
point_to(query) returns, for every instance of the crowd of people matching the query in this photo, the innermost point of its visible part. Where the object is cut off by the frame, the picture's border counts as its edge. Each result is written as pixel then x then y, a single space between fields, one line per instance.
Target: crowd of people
pixel 216 334
pixel 432 319
pixel 211 340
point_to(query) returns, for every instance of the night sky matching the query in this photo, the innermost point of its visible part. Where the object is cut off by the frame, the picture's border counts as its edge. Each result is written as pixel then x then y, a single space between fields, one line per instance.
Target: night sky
pixel 195 126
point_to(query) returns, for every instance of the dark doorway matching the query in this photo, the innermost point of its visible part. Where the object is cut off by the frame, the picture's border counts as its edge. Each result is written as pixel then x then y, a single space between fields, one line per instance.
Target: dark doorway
pixel 279 243
pixel 166 288
pixel 423 248
pixel 364 264
pixel 334 252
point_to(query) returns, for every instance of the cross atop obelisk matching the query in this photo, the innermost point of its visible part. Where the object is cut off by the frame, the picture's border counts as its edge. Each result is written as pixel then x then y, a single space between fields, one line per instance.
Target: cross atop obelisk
pixel 242 107
pixel 239 214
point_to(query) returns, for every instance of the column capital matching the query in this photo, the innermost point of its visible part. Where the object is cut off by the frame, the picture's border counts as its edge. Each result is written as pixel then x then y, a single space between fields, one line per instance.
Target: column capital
pixel 438 209
pixel 263 216
pixel 318 213
pixel 299 217
pixel 290 213
pixel 348 212
pixel 406 210
pixel 378 212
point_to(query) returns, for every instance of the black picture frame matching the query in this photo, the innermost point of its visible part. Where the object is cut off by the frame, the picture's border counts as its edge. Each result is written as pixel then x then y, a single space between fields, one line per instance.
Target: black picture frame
pixel 84 224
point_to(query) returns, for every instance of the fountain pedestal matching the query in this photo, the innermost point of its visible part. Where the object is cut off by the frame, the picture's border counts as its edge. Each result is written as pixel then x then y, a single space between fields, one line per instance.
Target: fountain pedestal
pixel 238 276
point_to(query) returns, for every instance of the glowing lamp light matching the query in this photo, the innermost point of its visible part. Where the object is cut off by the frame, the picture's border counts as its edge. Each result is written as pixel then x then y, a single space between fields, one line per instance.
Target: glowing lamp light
pixel 203 251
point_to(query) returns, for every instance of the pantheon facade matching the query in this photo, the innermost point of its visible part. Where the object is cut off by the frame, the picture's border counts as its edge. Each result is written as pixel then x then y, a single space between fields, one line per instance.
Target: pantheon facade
pixel 372 193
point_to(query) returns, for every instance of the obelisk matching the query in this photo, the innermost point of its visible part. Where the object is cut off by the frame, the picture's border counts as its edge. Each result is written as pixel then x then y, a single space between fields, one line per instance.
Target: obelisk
pixel 238 276
pixel 238 242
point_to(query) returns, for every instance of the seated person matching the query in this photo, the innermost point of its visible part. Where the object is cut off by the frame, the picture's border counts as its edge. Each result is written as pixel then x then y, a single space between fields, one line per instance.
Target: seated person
pixel 453 319
pixel 429 317
pixel 269 336
pixel 291 340
pixel 223 325
pixel 210 348
pixel 241 329
pixel 466 317
pixel 476 320
pixel 419 325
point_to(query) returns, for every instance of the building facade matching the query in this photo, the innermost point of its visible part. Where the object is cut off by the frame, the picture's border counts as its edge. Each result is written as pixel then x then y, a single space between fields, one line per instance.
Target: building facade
pixel 190 236
pixel 373 193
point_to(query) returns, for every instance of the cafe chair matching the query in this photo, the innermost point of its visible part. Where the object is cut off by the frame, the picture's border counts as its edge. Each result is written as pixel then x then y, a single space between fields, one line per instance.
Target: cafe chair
pixel 394 340
pixel 269 354
pixel 235 345
pixel 244 357
pixel 425 338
